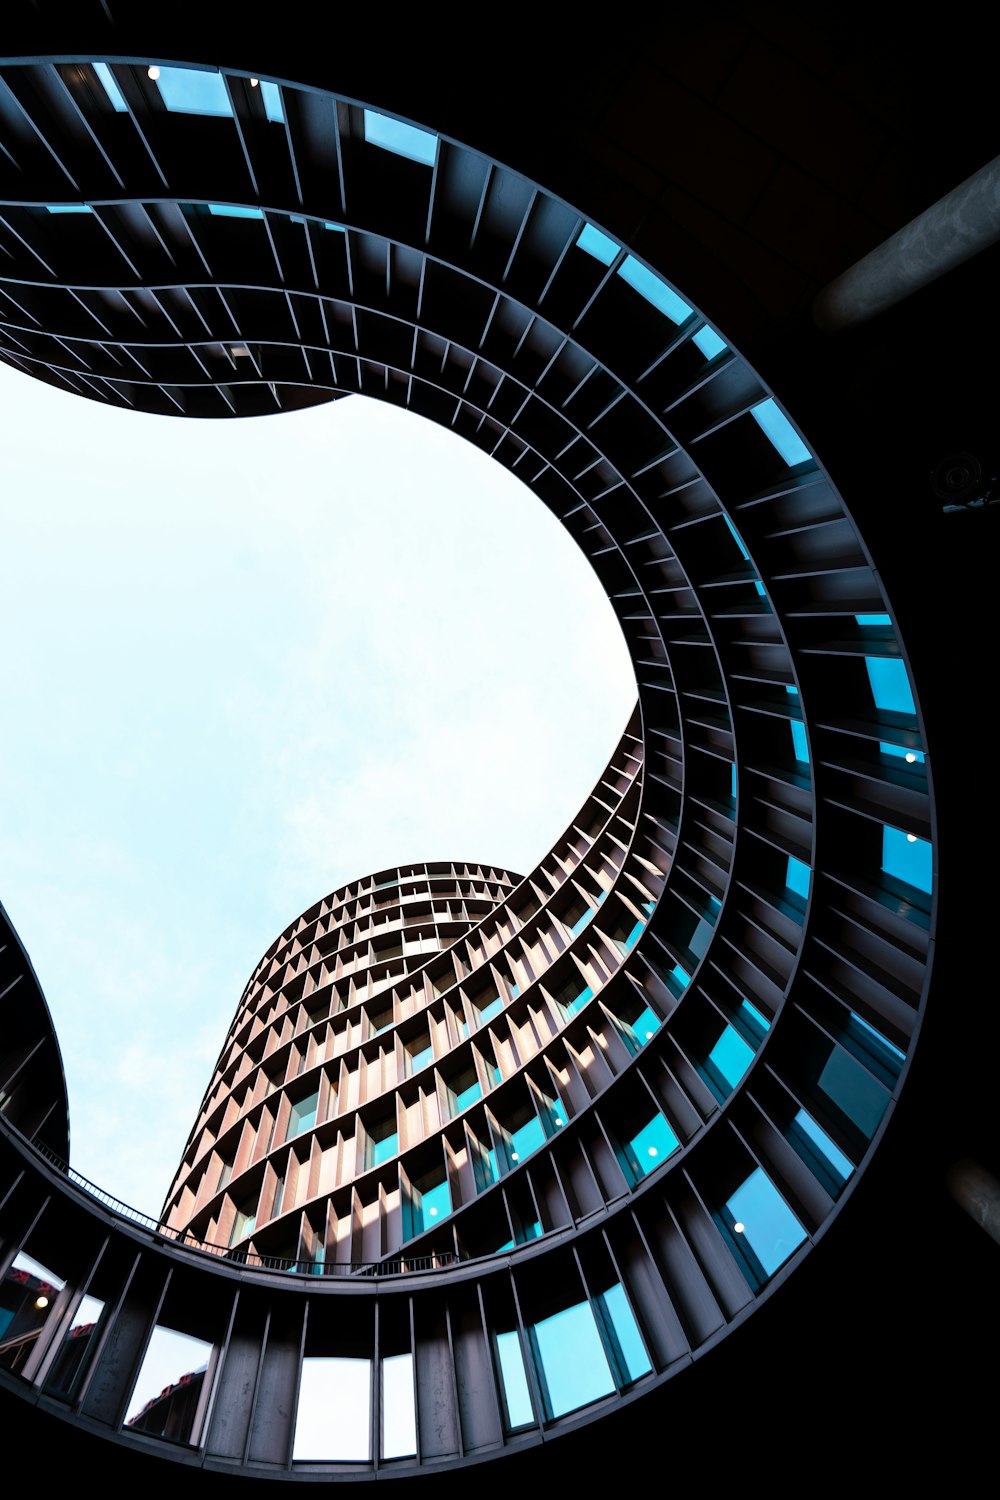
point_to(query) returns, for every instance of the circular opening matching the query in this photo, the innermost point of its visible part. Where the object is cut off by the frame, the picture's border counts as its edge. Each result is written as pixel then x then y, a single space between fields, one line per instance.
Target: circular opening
pixel 258 659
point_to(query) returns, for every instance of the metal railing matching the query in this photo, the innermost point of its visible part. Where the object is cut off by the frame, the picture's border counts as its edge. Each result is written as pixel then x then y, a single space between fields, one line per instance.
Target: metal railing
pixel 399 1265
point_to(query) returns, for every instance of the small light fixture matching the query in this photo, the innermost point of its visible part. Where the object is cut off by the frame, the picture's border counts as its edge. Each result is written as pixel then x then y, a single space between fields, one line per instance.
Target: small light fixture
pixel 648 1035
pixel 652 1151
pixel 41 1302
pixel 514 1156
pixel 254 82
pixel 739 1226
pixel 910 756
pixel 433 1213
pixel 560 1120
pixel 911 838
pixel 153 72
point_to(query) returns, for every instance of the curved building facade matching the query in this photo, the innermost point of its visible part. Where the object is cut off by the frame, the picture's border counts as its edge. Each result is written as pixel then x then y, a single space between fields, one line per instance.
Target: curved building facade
pixel 482 1166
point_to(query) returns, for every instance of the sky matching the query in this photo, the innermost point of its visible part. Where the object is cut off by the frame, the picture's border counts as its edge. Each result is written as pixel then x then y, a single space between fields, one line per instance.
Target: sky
pixel 245 662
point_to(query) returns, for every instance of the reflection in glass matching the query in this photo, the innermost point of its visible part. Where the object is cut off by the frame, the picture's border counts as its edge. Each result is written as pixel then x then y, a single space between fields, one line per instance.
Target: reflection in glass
pixel 77 1347
pixel 169 1397
pixel 27 1296
pixel 570 1360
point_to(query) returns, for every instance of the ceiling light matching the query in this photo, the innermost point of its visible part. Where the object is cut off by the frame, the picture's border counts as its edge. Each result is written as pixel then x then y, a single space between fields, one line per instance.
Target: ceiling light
pixel 739 1226
pixel 153 72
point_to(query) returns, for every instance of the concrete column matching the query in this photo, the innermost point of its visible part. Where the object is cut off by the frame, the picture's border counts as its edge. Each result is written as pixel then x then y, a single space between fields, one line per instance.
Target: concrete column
pixel 951 231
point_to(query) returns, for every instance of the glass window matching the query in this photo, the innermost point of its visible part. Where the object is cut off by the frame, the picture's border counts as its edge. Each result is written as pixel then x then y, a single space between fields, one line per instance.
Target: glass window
pixel 779 431
pixel 907 857
pixel 489 1011
pixel 233 211
pixel 731 1056
pixel 27 1296
pixel 649 1147
pixel 764 1223
pixel 428 1202
pixel 582 921
pixel 400 138
pixel 655 291
pixel 853 1090
pixel 273 107
pixel 420 1052
pixel 333 1416
pixel 513 1380
pixel 889 684
pixel 169 1395
pixel 813 1143
pixel 597 244
pixel 570 1361
pixel 797 877
pixel 903 752
pixel 77 1347
pixel 111 88
pixel 245 1222
pixel 399 1417
pixel 622 1332
pixel 189 91
pixel 708 341
pixel 68 208
pixel 383 1141
pixel 302 1116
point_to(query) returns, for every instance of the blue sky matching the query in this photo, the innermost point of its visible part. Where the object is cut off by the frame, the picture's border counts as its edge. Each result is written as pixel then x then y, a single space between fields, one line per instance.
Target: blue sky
pixel 246 662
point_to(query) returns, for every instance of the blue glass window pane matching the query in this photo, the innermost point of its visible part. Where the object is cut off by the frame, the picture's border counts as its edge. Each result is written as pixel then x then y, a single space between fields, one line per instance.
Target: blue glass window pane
pixel 580 1001
pixel 646 1024
pixel 384 1149
pixel 420 1059
pixel 755 1014
pixel 573 1364
pixel 655 291
pixel 736 537
pixel 436 1204
pixel 273 107
pixel 853 1090
pixel 779 431
pixel 527 1139
pixel 797 877
pixel 906 857
pixel 404 140
pixel 303 1115
pixel 733 779
pixel 682 976
pixel 513 1379
pixel 625 1337
pixel 467 1096
pixel 650 1146
pixel 493 1009
pixel 890 684
pixel 189 91
pixel 111 88
pixel 912 757
pixel 799 745
pixel 759 1212
pixel 597 244
pixel 633 936
pixel 840 1164
pixel 234 211
pixel 68 208
pixel 882 1040
pixel 709 343
pixel 873 619
pixel 732 1056
pixel 700 938
pixel 581 922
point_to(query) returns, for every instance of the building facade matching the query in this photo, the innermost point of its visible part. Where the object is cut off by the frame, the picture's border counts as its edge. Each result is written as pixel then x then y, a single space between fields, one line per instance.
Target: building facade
pixel 662 1066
